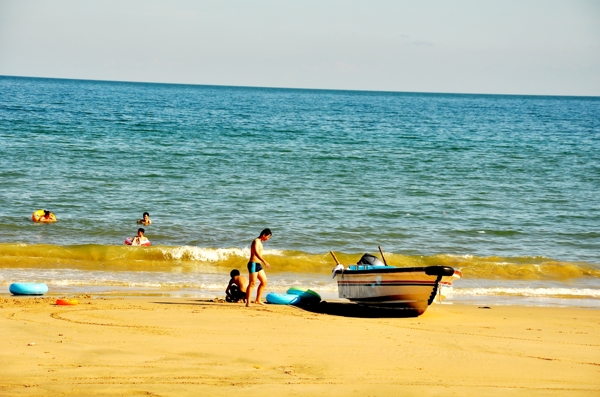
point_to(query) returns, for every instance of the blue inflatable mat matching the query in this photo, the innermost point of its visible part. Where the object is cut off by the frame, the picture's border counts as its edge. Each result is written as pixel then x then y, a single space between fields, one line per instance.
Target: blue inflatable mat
pixel 307 296
pixel 282 299
pixel 28 288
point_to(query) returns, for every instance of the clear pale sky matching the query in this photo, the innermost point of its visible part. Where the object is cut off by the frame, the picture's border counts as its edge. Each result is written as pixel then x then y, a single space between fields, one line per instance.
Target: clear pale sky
pixel 464 46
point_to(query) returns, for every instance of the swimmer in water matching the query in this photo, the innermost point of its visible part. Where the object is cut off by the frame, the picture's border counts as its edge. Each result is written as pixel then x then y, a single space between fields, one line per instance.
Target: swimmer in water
pixel 140 238
pixel 47 217
pixel 145 219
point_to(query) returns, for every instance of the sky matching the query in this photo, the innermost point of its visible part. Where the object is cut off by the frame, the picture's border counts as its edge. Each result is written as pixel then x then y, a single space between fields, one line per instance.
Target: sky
pixel 529 47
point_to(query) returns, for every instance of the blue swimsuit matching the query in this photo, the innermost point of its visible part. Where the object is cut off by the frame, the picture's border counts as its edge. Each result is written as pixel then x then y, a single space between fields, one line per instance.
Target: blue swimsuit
pixel 254 267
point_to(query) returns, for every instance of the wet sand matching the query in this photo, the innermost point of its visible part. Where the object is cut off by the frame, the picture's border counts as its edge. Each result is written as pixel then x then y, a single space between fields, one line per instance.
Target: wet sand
pixel 180 347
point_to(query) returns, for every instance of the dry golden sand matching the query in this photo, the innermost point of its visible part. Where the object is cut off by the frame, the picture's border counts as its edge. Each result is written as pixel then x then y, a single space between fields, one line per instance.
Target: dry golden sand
pixel 185 347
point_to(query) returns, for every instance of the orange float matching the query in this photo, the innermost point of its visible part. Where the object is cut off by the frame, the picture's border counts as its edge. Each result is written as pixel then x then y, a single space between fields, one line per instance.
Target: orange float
pixel 38 216
pixel 67 302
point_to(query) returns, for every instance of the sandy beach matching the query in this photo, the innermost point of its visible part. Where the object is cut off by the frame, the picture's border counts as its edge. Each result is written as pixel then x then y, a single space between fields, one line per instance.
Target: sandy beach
pixel 177 347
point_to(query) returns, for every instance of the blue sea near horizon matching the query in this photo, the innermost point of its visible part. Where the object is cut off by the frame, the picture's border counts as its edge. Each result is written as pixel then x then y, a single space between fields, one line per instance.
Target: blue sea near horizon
pixel 503 187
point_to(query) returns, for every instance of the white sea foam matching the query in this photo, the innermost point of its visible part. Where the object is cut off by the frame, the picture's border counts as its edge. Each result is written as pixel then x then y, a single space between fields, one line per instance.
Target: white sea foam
pixel 188 252
pixel 64 280
pixel 213 255
pixel 539 292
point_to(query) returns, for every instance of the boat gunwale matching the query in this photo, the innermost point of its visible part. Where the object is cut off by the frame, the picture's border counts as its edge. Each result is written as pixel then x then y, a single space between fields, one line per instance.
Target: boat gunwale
pixel 390 269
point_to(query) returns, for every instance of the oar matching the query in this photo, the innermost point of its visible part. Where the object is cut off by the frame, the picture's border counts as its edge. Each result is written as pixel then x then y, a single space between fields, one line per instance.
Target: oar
pixel 334 258
pixel 337 265
pixel 382 257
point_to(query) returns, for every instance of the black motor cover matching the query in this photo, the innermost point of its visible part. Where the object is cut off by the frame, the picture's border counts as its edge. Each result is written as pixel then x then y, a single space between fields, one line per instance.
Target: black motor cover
pixel 368 259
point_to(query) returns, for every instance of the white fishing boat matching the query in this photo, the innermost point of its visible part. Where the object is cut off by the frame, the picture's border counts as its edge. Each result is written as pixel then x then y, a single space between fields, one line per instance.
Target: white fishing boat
pixel 372 283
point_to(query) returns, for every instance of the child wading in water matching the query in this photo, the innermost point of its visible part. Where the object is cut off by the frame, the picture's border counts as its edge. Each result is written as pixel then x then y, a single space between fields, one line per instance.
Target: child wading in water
pixel 236 289
pixel 255 268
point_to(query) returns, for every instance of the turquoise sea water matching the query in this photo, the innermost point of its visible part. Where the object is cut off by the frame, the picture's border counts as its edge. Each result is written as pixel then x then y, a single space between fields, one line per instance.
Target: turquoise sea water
pixel 503 187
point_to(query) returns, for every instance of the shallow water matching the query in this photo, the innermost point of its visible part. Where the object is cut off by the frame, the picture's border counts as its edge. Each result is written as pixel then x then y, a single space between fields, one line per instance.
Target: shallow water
pixel 502 187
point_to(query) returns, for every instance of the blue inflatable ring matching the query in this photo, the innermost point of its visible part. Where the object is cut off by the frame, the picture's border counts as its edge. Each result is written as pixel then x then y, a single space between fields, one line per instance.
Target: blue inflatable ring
pixel 28 288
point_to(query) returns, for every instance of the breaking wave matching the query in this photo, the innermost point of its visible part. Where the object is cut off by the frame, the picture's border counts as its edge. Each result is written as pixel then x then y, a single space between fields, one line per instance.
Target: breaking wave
pixel 191 259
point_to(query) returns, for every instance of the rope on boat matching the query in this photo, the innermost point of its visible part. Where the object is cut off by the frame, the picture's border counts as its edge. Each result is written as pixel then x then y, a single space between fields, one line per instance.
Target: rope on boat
pixel 435 289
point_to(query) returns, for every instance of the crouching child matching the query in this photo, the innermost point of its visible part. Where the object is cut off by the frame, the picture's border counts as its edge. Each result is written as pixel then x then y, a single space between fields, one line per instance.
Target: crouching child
pixel 236 289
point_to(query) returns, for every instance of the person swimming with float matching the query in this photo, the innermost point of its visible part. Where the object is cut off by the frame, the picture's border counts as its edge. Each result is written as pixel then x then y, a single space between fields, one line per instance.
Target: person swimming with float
pixel 138 240
pixel 255 269
pixel 145 219
pixel 43 216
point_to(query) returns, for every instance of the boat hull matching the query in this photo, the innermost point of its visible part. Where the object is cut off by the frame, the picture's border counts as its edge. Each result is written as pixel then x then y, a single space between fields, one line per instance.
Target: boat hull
pixel 411 289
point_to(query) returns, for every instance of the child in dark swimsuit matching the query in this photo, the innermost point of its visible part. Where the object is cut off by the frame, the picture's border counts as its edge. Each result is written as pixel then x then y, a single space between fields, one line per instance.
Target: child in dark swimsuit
pixel 236 289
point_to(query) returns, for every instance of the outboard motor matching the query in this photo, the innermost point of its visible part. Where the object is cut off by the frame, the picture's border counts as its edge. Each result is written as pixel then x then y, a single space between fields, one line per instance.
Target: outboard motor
pixel 370 260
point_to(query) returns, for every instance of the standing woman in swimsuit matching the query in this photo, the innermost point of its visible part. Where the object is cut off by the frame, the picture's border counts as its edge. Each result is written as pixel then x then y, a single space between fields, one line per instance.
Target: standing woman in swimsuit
pixel 255 268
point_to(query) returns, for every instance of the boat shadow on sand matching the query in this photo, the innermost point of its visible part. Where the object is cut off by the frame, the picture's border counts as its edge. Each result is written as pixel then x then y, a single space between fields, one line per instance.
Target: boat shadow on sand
pixel 341 307
pixel 344 308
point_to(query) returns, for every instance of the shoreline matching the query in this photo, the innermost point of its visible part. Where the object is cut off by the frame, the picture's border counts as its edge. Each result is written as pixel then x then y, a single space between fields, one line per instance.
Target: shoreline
pixel 178 346
pixel 281 286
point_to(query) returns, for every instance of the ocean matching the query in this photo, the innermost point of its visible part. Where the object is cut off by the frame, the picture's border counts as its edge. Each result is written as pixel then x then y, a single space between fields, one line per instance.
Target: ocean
pixel 504 188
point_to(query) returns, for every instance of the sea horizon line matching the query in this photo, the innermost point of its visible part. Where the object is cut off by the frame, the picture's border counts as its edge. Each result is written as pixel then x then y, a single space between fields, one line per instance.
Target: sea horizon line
pixel 337 90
